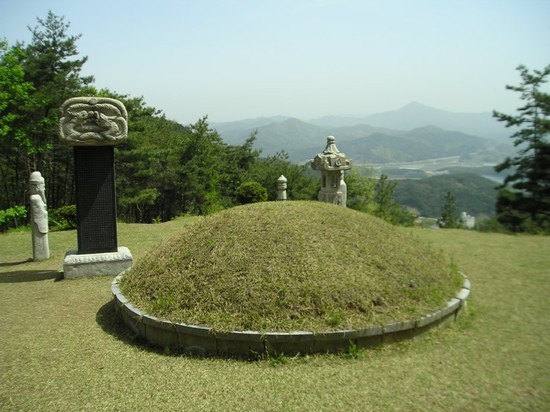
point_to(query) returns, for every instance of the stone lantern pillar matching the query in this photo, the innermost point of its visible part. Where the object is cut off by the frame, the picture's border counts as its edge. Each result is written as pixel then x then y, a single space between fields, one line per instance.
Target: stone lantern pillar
pixel 332 164
pixel 281 188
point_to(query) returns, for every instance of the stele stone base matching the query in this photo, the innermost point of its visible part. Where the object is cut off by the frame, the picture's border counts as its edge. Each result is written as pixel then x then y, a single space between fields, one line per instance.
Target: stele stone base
pixel 93 264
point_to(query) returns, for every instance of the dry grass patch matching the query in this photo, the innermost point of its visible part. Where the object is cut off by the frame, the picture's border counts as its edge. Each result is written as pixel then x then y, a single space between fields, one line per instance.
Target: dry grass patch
pixel 283 266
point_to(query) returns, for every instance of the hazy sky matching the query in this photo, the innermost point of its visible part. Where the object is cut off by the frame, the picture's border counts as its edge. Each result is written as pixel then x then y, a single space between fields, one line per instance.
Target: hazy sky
pixel 237 59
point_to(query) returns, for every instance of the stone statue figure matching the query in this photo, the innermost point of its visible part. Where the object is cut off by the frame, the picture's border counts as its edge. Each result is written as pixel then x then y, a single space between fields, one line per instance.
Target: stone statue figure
pixel 39 217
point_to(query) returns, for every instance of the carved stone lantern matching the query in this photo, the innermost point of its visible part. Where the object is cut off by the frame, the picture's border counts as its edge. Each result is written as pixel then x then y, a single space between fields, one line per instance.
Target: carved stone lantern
pixel 332 164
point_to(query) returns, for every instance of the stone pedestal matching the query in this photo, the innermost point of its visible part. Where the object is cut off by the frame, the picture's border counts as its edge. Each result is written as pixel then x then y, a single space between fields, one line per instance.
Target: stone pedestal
pixel 77 265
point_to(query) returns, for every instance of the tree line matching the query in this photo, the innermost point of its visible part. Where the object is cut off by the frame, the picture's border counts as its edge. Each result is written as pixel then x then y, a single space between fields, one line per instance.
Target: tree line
pixel 166 169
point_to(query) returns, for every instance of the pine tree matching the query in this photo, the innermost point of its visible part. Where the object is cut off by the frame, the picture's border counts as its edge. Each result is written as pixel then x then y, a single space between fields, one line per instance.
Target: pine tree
pixel 51 66
pixel 449 217
pixel 523 203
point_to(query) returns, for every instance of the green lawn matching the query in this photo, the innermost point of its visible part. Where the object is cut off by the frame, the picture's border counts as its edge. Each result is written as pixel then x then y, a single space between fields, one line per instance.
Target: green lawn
pixel 63 350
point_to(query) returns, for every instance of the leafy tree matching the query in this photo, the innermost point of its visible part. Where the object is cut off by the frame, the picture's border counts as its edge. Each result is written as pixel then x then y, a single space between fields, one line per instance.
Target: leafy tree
pixel 15 143
pixel 449 217
pixel 523 202
pixel 149 183
pixel 376 197
pixel 361 191
pixel 251 192
pixel 386 206
pixel 166 169
pixel 63 218
pixel 34 81
pixel 237 161
pixel 203 168
pixel 12 217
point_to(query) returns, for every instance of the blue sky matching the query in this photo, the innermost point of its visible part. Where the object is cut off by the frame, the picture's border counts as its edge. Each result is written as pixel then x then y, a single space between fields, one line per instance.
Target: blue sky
pixel 238 59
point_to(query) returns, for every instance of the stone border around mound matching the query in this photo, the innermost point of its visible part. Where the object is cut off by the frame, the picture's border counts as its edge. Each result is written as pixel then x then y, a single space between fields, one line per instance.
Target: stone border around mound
pixel 202 341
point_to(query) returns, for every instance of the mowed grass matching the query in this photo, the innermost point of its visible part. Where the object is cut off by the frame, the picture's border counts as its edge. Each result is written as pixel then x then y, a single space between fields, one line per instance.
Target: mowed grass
pixel 62 349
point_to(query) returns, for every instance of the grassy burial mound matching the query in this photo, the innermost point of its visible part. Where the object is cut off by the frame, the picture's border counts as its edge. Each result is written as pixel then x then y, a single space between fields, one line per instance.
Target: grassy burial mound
pixel 288 266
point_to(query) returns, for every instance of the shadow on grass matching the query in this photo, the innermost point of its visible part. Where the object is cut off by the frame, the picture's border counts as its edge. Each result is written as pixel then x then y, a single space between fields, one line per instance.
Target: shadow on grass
pixel 4 264
pixel 111 323
pixel 30 276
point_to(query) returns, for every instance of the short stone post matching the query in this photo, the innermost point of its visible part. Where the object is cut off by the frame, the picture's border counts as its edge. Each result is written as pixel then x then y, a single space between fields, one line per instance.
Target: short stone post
pixel 39 217
pixel 281 188
pixel 343 190
pixel 93 126
pixel 332 164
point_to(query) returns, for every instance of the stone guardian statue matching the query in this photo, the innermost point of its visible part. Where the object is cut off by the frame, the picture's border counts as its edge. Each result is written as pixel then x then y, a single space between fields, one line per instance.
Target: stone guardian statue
pixel 39 217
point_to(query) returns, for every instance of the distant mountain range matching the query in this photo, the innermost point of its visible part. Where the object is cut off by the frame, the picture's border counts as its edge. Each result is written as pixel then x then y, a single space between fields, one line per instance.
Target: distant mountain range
pixel 415 115
pixel 414 132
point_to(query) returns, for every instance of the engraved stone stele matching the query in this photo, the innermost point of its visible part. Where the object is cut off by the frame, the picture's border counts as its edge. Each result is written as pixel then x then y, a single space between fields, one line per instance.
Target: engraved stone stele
pixel 93 121
pixel 332 164
pixel 281 188
pixel 39 217
pixel 93 126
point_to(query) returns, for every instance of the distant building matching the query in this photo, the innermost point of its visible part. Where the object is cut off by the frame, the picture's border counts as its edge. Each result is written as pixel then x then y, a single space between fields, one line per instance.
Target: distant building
pixel 467 221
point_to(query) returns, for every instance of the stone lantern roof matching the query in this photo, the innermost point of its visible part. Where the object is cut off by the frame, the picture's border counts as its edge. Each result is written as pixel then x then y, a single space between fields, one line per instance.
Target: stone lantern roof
pixel 331 159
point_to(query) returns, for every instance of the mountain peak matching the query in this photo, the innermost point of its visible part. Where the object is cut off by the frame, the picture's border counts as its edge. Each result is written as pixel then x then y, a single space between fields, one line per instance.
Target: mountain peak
pixel 417 107
pixel 413 105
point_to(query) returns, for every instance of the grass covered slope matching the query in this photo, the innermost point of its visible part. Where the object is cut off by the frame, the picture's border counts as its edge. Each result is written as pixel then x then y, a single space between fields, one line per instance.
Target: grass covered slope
pixel 284 266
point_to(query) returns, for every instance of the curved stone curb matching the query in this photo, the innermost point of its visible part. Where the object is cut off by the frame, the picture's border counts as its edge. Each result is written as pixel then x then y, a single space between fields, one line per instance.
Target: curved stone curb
pixel 203 341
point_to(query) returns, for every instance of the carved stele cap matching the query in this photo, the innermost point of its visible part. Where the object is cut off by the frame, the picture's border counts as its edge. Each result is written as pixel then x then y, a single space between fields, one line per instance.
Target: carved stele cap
pixel 36 177
pixel 93 121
